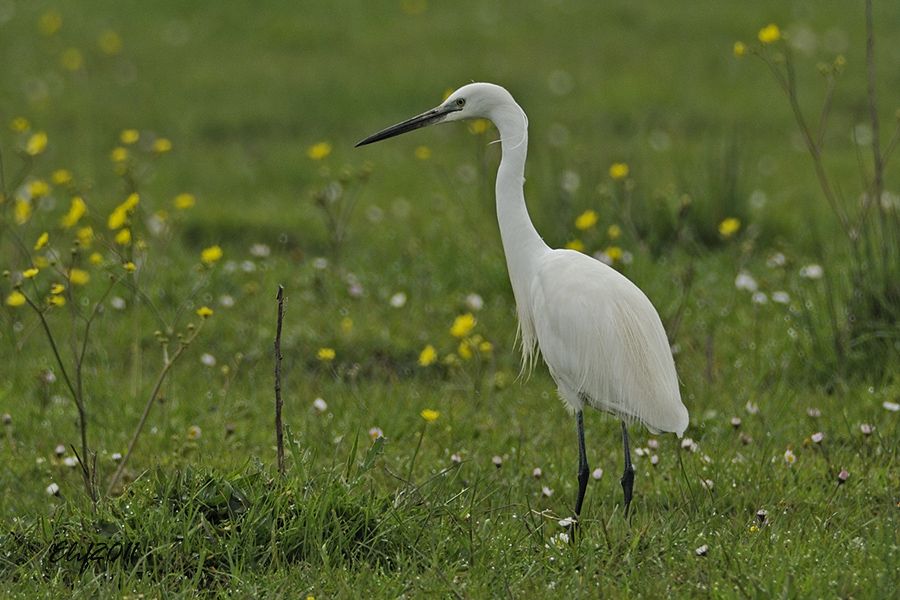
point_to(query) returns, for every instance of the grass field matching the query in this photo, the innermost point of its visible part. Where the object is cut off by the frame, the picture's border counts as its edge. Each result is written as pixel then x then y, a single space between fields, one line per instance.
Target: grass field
pixel 253 111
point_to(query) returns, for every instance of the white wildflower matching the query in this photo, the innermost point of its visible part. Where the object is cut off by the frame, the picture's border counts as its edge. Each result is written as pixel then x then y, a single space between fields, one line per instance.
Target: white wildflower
pixel 745 281
pixel 474 302
pixel 398 300
pixel 812 271
pixel 781 297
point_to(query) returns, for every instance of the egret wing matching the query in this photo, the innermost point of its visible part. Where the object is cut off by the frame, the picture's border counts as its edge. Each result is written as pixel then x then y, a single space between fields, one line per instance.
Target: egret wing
pixel 603 341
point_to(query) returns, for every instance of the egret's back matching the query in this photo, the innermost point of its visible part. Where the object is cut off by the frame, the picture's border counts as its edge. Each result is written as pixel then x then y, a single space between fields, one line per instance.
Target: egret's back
pixel 603 341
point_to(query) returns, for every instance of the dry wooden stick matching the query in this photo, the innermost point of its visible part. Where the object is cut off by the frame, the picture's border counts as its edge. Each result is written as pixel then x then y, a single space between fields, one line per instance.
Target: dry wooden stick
pixel 279 433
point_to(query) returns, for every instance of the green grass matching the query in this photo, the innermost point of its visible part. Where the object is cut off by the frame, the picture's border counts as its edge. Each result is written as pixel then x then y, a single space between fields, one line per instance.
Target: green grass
pixel 243 92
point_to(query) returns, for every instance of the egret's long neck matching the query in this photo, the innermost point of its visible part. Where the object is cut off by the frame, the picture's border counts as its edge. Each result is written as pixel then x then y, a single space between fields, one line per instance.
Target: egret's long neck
pixel 521 242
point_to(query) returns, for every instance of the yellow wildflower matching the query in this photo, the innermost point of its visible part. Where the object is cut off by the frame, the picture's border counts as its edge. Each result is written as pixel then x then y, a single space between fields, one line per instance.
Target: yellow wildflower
pixel 79 277
pixel 61 177
pixel 117 218
pixel 326 354
pixel 430 415
pixel 36 144
pixel 130 267
pixel 38 188
pixel 76 210
pixel 319 151
pixel 131 201
pixel 15 298
pixel 50 22
pixel 41 262
pixel 57 288
pixel 71 59
pixel 618 171
pixel 95 258
pixel 464 350
pixel 184 201
pixel 162 145
pixel 30 273
pixel 614 253
pixel 20 125
pixel 119 215
pixel 129 136
pixel 119 154
pixel 462 325
pixel 740 49
pixel 479 126
pixel 110 42
pixel 614 231
pixel 85 236
pixel 56 300
pixel 729 227
pixel 485 347
pixel 211 255
pixel 423 152
pixel 576 245
pixel 586 220
pixel 123 238
pixel 204 312
pixel 22 211
pixel 769 34
pixel 427 356
pixel 42 241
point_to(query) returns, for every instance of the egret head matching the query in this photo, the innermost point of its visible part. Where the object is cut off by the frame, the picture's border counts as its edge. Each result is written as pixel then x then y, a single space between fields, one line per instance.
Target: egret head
pixel 472 101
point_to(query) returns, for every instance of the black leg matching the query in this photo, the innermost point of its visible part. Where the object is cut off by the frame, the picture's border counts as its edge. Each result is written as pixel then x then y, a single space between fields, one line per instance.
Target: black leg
pixel 582 465
pixel 628 475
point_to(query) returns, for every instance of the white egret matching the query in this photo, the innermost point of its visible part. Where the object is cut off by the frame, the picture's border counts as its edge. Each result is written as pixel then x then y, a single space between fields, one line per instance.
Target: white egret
pixel 600 336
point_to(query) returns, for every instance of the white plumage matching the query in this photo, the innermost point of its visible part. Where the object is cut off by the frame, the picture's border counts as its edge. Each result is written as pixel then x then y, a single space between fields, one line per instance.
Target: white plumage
pixel 600 336
pixel 603 341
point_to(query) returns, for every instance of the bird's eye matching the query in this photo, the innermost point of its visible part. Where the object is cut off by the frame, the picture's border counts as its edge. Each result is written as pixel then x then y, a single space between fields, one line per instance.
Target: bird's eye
pixel 460 102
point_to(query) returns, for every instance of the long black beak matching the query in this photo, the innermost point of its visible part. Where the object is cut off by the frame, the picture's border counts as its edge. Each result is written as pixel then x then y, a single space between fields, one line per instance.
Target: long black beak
pixel 435 115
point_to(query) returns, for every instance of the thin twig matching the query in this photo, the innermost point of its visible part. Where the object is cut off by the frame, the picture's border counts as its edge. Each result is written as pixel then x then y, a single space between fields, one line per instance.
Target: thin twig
pixel 814 152
pixel 891 145
pixel 877 157
pixel 788 83
pixel 79 404
pixel 87 328
pixel 279 428
pixel 878 182
pixel 826 109
pixel 167 366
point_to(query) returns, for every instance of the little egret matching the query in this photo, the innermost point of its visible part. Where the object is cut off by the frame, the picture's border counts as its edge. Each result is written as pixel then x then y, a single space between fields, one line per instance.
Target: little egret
pixel 600 336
